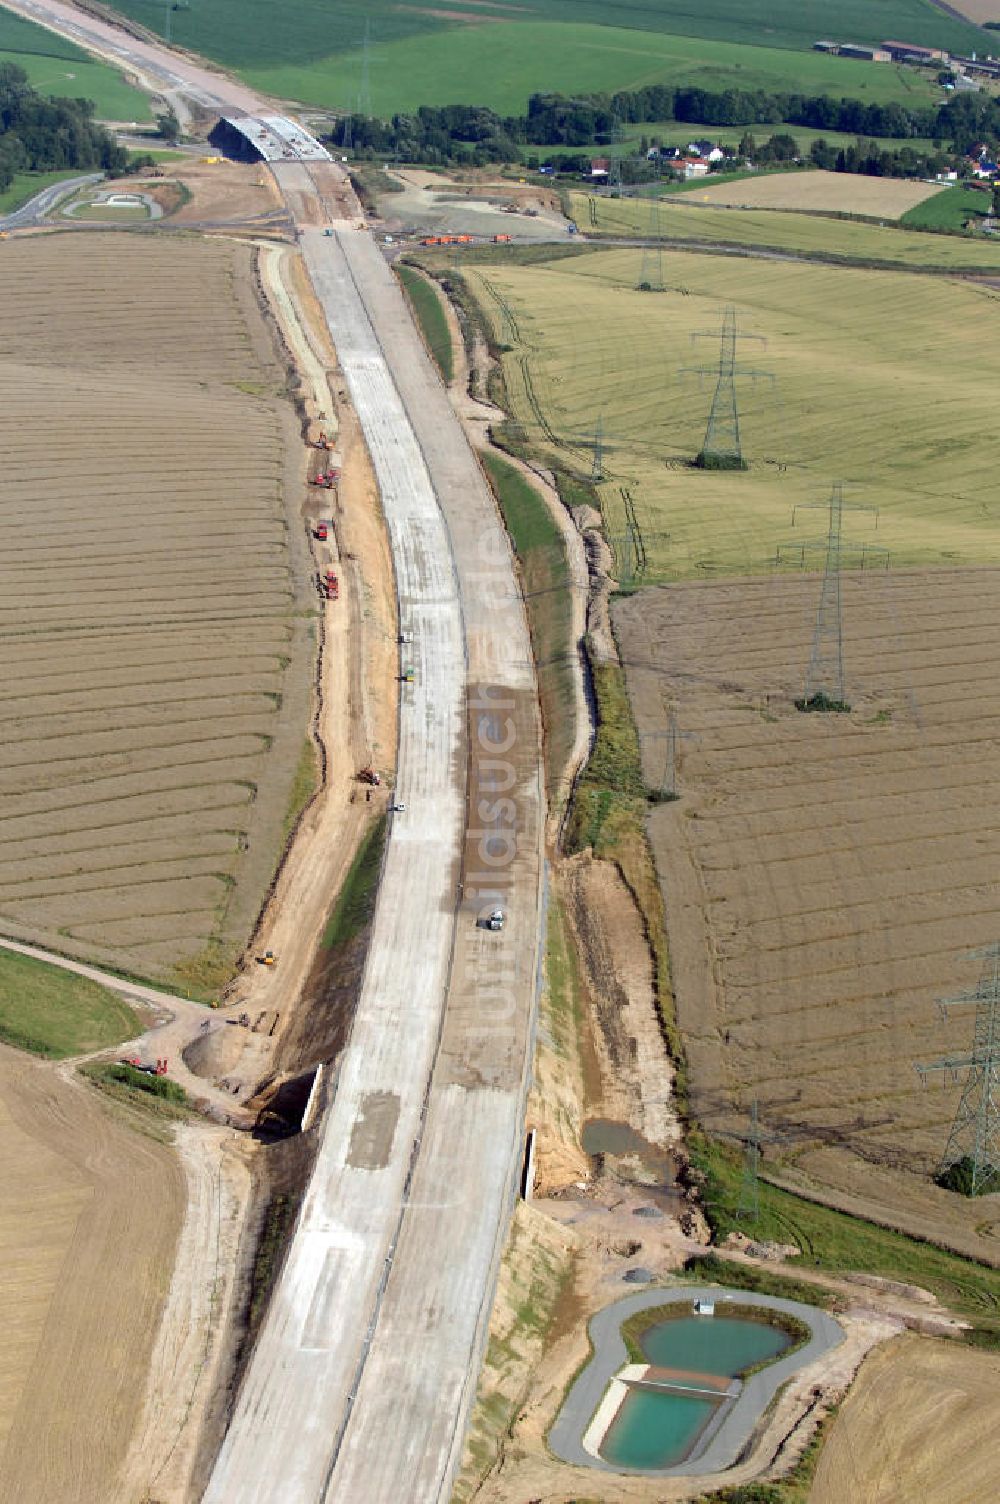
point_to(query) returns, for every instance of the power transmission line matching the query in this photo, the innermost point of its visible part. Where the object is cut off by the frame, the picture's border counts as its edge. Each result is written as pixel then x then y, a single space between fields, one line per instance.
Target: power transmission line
pixel 824 686
pixel 974 1140
pixel 722 449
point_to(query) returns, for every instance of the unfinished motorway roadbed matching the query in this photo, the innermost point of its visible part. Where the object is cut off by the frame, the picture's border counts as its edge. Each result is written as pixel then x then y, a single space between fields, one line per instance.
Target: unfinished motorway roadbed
pixel 362 1377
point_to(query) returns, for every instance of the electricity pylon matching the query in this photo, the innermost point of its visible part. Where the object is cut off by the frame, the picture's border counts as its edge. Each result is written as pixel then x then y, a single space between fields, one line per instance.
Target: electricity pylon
pixel 651 272
pixel 722 449
pixel 597 463
pixel 667 738
pixel 824 687
pixel 975 1133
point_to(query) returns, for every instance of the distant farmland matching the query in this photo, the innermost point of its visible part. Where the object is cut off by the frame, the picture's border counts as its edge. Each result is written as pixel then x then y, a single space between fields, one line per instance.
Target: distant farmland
pixel 825 875
pixel 837 192
pixel 497 54
pixel 770 229
pixel 878 380
pixel 55 66
pixel 152 603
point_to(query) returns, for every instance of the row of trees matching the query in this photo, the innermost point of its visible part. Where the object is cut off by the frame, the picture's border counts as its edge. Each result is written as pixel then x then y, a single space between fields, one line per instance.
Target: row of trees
pixel 45 135
pixel 472 135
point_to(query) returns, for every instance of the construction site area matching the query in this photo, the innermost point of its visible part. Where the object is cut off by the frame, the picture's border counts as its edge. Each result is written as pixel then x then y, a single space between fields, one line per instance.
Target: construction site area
pixel 495 830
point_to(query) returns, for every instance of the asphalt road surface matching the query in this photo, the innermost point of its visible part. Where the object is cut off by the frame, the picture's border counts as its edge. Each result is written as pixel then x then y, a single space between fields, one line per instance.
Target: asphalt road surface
pixel 37 207
pixel 362 1377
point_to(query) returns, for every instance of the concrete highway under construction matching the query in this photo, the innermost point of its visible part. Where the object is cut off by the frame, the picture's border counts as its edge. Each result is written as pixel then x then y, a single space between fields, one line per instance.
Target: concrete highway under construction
pixel 361 1380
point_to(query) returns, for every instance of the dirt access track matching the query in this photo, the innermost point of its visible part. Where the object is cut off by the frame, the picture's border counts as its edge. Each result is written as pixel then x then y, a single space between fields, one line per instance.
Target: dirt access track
pixel 826 875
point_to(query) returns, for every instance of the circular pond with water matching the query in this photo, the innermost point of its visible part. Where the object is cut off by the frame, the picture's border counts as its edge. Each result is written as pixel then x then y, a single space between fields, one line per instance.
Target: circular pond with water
pixel 679 1378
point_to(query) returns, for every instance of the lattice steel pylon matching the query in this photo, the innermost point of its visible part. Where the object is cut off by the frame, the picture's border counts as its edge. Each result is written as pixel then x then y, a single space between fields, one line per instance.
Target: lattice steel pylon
pixel 824 687
pixel 975 1133
pixel 597 471
pixel 651 271
pixel 722 449
pixel 825 674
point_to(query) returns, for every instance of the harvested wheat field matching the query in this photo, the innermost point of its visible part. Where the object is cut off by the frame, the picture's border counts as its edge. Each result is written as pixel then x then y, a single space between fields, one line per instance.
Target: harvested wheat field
pixel 870 377
pixel 825 875
pixel 918 1424
pixel 154 601
pixel 78 1319
pixel 837 192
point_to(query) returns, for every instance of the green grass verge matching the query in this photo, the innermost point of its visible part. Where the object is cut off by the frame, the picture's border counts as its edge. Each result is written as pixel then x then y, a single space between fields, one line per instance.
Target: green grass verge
pixel 837 1242
pixel 303 787
pixel 564 987
pixel 948 210
pixel 430 316
pixel 56 66
pixel 611 791
pixel 27 184
pixel 545 580
pixel 156 1098
pixel 356 900
pixel 710 1269
pixel 57 1013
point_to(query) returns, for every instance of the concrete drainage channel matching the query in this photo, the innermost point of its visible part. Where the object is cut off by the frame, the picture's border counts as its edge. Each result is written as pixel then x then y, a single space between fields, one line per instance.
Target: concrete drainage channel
pixel 632 1411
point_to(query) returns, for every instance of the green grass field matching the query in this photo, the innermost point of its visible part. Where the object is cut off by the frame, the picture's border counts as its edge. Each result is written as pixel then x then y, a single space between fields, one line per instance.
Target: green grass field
pixel 877 379
pixel 55 66
pixel 501 65
pixel 773 229
pixel 493 55
pixel 56 1013
pixel 948 210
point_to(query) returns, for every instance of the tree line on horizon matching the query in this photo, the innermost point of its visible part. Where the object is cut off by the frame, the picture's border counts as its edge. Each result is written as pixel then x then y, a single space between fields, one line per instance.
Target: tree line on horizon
pixel 39 134
pixel 472 135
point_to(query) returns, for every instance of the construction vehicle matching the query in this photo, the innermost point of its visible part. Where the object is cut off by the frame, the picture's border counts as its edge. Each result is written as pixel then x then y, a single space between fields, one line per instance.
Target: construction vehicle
pixel 325 478
pixel 331 586
pixel 159 1069
pixel 267 959
pixel 320 531
pixel 322 442
pixel 369 775
pixel 408 676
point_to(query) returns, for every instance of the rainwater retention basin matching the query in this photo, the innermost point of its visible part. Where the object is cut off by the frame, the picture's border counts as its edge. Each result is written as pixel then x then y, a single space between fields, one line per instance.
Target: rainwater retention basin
pixel 701 1366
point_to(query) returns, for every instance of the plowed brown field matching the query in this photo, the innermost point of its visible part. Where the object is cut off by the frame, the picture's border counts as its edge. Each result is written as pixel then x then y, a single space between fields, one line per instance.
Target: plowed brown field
pixel 825 875
pixel 78 1316
pixel 155 642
